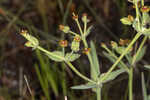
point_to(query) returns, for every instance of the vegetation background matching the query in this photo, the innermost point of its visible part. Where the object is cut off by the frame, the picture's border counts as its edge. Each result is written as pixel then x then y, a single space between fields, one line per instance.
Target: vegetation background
pixel 42 18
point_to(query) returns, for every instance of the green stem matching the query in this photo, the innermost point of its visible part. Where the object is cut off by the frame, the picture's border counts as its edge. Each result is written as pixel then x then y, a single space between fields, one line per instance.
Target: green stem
pixel 79 74
pixel 85 26
pixel 50 53
pixel 79 26
pixel 98 92
pixel 85 42
pixel 70 54
pixel 73 33
pixel 89 56
pixel 139 50
pixel 130 84
pixel 142 2
pixel 123 54
pixel 137 14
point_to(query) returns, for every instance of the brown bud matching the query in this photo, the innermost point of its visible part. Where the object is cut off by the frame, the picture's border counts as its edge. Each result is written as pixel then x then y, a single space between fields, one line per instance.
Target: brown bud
pixel 84 14
pixel 124 42
pixel 61 27
pixel 23 32
pixel 130 17
pixel 145 9
pixel 86 50
pixel 75 17
pixel 63 43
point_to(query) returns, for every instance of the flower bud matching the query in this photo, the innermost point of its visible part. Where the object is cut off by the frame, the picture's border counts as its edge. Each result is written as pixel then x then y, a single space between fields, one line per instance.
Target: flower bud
pixel 32 41
pixel 124 42
pixel 65 29
pixel 103 45
pixel 114 44
pixel 145 9
pixel 86 50
pixel 63 43
pixel 77 38
pixel 130 18
pixel 84 18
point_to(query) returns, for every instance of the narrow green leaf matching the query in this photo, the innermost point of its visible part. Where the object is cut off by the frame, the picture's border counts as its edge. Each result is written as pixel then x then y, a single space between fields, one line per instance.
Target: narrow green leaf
pixel 112 75
pixel 88 30
pixel 71 57
pixel 144 88
pixel 129 58
pixel 47 73
pixel 56 56
pixel 141 54
pixel 112 59
pixel 95 69
pixel 84 86
pixel 43 83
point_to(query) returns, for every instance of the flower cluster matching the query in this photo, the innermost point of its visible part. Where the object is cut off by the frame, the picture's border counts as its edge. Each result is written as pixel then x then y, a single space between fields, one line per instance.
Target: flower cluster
pixel 32 41
pixel 142 20
pixel 75 45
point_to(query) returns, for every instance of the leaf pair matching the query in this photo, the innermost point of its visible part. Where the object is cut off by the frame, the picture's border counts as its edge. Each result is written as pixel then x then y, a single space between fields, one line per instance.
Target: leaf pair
pixel 111 77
